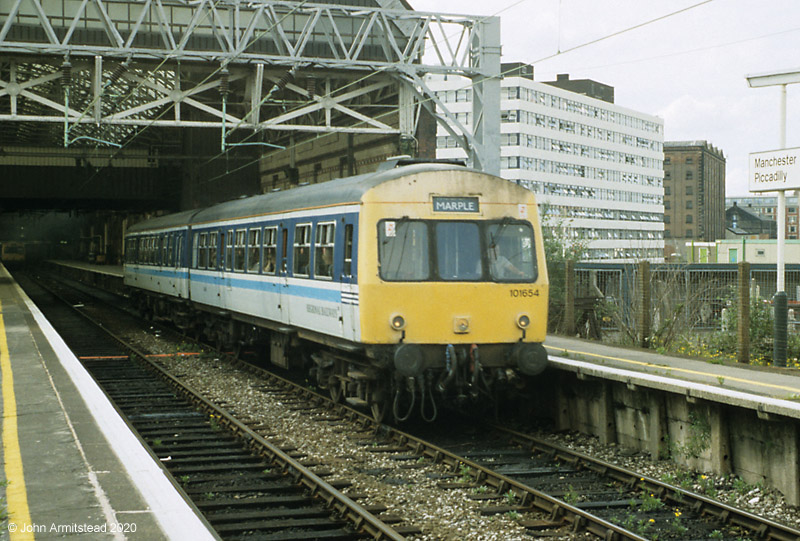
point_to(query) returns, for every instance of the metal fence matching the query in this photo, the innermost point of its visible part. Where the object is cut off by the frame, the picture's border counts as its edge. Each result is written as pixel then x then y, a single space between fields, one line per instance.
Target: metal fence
pixel 694 296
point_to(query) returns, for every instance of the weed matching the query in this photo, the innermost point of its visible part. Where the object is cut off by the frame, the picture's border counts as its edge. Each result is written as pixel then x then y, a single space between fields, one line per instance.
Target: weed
pixel 513 515
pixel 721 380
pixel 650 502
pixel 571 496
pixel 157 442
pixel 511 497
pixel 716 534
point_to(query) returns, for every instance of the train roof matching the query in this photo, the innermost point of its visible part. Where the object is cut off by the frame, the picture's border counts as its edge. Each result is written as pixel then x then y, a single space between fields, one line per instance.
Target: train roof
pixel 335 192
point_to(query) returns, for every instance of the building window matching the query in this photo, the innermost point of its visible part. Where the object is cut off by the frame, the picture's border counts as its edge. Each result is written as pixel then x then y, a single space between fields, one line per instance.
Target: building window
pixel 689 219
pixel 667 160
pixel 689 233
pixel 689 175
pixel 689 188
pixel 666 218
pixel 689 159
pixel 667 190
pixel 689 204
pixel 666 204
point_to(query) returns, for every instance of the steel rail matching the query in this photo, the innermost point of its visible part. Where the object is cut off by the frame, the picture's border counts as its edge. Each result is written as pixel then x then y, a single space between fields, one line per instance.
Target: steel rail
pixel 763 527
pixel 361 518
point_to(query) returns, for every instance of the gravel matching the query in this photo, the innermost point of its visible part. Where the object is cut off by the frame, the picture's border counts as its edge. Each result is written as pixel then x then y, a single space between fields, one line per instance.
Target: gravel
pixel 411 492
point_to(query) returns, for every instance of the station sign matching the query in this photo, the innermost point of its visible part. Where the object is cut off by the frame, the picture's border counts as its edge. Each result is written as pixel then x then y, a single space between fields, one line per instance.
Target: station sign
pixel 775 170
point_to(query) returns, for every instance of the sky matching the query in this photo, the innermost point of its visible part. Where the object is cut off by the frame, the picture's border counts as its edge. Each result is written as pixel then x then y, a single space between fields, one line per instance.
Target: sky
pixel 689 68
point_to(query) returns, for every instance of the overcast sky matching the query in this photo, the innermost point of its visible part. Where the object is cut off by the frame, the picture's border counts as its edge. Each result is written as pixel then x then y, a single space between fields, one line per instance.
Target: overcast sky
pixel 688 68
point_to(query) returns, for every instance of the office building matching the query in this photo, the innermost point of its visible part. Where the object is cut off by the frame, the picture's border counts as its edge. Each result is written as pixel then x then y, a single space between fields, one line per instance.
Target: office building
pixel 596 167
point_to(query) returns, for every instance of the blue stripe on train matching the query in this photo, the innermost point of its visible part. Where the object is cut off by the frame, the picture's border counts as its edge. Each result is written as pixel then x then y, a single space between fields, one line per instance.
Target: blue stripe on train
pixel 308 292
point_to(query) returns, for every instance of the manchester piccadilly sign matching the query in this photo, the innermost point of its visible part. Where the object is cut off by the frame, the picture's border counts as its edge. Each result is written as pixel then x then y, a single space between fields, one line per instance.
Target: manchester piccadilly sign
pixel 775 170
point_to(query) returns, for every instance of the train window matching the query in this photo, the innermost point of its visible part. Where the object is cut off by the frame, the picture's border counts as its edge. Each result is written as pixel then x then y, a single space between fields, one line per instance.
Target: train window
pixel 239 251
pixel 195 250
pixel 202 248
pixel 510 251
pixel 270 249
pixel 229 250
pixel 302 247
pixel 323 250
pixel 178 250
pixel 403 250
pixel 253 250
pixel 166 246
pixel 348 250
pixel 458 252
pixel 284 248
pixel 170 259
pixel 213 240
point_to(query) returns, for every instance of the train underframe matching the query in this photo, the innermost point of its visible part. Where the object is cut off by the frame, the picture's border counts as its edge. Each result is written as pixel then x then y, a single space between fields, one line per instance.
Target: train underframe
pixel 393 382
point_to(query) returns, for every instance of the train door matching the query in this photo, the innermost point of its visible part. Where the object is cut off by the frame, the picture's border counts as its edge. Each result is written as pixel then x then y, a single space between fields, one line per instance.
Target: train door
pixel 226 269
pixel 348 280
pixel 283 273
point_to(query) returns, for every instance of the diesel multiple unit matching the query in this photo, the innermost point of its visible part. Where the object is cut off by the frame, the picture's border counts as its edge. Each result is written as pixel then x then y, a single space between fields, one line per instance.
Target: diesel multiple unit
pixel 400 289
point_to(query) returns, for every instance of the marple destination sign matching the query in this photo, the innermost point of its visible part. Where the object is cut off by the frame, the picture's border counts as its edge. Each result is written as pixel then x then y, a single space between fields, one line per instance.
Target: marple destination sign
pixel 775 170
pixel 455 204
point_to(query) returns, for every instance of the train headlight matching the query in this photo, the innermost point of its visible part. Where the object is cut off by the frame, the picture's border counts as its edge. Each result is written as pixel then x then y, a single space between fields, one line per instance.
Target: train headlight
pixel 398 322
pixel 523 321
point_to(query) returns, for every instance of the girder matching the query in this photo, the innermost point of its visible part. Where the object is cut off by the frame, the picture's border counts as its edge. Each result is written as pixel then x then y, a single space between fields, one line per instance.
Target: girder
pixel 102 71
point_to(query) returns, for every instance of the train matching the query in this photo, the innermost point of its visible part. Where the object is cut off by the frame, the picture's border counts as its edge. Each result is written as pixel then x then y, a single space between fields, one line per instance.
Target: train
pixel 417 286
pixel 12 252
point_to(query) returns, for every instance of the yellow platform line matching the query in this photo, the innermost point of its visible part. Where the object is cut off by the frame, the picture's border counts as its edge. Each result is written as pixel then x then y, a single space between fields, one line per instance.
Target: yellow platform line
pixel 683 370
pixel 19 516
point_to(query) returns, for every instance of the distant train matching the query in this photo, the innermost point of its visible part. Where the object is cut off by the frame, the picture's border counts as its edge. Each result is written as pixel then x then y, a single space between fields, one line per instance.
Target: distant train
pixel 12 252
pixel 401 289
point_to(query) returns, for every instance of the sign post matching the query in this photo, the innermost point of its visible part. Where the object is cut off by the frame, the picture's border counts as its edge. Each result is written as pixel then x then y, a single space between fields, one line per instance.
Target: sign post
pixel 777 170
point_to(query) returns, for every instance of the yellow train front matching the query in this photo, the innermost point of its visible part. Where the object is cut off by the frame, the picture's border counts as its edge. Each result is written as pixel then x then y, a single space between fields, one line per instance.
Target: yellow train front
pixel 452 292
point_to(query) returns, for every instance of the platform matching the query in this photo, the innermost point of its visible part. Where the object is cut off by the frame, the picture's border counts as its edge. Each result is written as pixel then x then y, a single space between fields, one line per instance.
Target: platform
pixel 72 467
pixel 763 389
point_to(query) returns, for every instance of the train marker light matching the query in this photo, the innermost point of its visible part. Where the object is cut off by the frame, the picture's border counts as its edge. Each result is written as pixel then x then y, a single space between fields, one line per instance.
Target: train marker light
pixel 398 323
pixel 523 321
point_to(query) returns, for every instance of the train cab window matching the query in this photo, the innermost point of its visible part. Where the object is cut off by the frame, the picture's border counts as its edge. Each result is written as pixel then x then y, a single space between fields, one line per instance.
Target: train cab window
pixel 229 250
pixel 253 250
pixel 510 252
pixel 323 250
pixel 302 247
pixel 212 250
pixel 270 250
pixel 403 250
pixel 239 251
pixel 458 251
pixel 347 270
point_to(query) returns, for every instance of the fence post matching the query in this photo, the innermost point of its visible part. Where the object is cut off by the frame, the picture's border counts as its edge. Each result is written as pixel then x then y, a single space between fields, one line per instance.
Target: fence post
pixel 569 297
pixel 643 294
pixel 743 313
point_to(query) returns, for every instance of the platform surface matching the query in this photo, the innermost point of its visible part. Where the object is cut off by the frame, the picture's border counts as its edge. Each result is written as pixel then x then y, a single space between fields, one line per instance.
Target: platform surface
pixel 72 467
pixel 766 389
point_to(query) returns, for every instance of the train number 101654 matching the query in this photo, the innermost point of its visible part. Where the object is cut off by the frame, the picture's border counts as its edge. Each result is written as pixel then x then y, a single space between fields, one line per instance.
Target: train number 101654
pixel 529 292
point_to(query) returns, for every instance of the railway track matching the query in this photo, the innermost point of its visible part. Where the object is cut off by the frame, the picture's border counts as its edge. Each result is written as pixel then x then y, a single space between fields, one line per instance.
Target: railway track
pixel 244 485
pixel 552 490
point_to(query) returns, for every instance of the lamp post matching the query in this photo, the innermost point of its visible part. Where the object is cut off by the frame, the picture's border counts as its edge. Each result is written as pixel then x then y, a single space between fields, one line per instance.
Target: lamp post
pixel 781 79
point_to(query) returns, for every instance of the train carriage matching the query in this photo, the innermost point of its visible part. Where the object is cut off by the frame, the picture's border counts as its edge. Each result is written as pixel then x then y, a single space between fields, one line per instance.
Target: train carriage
pixel 404 288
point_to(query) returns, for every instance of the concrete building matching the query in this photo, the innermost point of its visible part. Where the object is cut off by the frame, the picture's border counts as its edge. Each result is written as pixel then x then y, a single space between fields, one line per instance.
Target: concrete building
pixel 694 193
pixel 596 167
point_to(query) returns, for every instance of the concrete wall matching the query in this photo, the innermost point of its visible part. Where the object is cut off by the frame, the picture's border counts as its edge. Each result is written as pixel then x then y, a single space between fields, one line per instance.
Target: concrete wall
pixel 700 434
